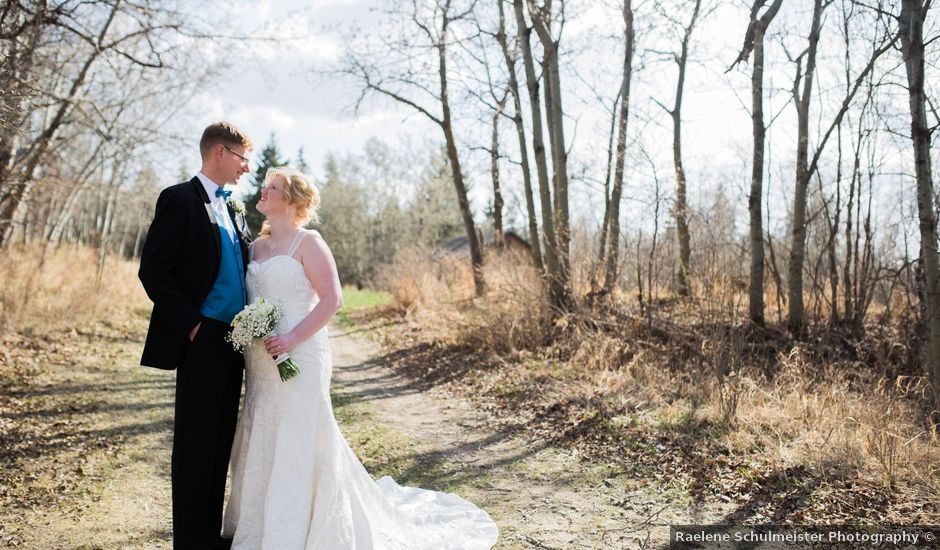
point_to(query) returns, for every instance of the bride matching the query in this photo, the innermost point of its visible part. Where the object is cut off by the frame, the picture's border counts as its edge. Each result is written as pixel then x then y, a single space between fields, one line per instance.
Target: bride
pixel 296 484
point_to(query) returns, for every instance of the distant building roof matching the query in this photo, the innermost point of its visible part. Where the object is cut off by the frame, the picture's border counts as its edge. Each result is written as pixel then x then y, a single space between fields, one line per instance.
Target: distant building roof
pixel 454 244
pixel 461 243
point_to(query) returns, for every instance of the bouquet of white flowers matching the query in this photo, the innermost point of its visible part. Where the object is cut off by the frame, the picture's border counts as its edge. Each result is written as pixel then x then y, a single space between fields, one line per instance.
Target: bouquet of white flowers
pixel 256 321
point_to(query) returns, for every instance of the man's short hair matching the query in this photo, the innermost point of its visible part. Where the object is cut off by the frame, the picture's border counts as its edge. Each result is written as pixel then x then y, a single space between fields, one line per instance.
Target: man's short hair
pixel 222 132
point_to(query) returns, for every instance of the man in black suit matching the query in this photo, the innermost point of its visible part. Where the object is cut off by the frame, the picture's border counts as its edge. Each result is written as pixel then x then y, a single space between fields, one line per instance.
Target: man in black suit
pixel 193 269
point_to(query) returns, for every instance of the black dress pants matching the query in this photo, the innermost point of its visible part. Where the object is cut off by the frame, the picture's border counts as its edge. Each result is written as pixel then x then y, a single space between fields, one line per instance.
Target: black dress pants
pixel 208 387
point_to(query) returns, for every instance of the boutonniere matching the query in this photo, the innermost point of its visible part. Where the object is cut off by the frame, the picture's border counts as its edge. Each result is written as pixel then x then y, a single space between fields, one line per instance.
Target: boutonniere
pixel 237 206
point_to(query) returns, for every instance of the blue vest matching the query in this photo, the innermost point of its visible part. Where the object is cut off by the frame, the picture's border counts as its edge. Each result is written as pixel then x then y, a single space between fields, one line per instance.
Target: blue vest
pixel 228 295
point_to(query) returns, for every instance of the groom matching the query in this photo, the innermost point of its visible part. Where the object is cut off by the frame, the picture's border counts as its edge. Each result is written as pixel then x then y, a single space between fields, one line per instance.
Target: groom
pixel 193 269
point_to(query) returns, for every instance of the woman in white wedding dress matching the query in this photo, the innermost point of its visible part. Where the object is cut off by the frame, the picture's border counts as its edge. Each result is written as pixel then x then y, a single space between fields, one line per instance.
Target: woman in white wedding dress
pixel 296 484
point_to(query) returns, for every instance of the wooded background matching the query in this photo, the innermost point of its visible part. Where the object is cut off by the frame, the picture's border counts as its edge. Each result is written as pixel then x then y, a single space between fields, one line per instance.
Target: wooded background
pixel 841 94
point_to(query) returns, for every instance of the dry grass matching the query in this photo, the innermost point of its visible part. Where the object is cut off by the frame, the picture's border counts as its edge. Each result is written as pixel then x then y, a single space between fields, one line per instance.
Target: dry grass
pixel 439 293
pixel 845 411
pixel 58 289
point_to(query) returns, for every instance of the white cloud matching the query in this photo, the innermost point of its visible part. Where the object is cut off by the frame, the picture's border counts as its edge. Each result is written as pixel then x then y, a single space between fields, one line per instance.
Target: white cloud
pixel 252 116
pixel 255 11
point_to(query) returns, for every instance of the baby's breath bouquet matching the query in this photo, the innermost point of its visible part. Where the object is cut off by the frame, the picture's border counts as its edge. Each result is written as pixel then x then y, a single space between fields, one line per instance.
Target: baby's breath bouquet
pixel 256 321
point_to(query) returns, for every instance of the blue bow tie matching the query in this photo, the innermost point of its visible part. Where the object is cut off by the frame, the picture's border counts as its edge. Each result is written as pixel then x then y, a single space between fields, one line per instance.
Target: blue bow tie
pixel 223 193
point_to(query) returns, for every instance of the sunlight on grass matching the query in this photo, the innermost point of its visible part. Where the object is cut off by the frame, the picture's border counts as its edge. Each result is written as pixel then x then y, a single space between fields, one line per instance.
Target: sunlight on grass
pixel 357 300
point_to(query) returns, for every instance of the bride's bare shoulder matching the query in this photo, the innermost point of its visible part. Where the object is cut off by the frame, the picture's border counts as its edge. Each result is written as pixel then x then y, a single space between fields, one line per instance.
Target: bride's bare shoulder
pixel 313 234
pixel 260 243
pixel 313 245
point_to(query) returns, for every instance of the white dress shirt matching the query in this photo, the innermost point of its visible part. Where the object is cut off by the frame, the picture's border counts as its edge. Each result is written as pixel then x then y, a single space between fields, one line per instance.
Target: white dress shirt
pixel 218 204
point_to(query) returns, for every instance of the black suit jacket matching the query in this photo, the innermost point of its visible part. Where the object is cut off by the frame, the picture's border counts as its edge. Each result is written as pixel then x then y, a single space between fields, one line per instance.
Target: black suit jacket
pixel 178 266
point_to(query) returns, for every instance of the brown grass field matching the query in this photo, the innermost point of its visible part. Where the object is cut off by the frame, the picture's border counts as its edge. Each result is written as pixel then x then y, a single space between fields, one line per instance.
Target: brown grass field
pixel 685 397
pixel 832 428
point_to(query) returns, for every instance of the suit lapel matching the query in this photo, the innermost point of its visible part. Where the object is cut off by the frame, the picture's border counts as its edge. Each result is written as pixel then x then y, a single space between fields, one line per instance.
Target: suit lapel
pixel 211 222
pixel 241 228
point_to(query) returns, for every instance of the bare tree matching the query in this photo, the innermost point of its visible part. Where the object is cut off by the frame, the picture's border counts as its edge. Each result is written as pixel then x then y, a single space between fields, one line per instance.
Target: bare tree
pixel 59 58
pixel 911 32
pixel 805 165
pixel 754 42
pixel 798 237
pixel 605 222
pixel 19 188
pixel 612 212
pixel 20 34
pixel 558 291
pixel 681 208
pixel 435 29
pixel 495 96
pixel 510 60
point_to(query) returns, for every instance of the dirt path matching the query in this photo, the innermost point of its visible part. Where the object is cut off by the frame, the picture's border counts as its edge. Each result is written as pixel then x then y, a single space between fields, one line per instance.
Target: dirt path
pixel 541 497
pixel 88 443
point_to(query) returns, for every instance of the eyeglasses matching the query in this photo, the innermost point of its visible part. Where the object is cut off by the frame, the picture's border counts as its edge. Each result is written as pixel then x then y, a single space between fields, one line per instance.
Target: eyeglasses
pixel 237 154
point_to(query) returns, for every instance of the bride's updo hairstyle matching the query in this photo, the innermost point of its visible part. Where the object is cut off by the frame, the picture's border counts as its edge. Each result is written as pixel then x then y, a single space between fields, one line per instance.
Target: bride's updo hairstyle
pixel 298 191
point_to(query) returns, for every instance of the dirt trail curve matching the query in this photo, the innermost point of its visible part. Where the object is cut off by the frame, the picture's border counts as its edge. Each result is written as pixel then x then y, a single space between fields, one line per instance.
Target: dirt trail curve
pixel 109 488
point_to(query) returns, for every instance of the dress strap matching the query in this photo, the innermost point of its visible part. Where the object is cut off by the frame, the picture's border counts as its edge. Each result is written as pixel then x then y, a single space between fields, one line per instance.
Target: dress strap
pixel 294 245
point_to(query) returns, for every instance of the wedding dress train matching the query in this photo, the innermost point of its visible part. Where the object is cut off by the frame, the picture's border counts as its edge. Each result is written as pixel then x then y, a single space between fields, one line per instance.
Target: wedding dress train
pixel 296 483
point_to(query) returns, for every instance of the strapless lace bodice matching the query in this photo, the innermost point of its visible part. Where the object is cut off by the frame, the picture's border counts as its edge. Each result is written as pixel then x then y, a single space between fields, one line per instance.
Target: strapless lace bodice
pixel 281 280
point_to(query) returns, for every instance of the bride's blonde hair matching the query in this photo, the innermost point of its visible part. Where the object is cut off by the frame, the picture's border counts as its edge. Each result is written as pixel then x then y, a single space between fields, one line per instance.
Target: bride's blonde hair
pixel 298 191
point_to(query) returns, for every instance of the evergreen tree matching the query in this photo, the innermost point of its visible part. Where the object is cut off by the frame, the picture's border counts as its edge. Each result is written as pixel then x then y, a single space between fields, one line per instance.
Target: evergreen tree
pixel 346 224
pixel 301 162
pixel 434 215
pixel 269 157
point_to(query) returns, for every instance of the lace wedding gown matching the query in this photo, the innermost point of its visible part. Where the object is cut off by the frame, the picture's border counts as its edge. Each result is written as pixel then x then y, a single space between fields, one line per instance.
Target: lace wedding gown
pixel 296 484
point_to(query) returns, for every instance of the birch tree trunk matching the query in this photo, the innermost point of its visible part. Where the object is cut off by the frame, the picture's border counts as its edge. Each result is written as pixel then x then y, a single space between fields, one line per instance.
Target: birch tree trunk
pixel 498 239
pixel 795 318
pixel 476 250
pixel 911 31
pixel 754 41
pixel 542 18
pixel 612 218
pixel 536 246
pixel 22 37
pixel 557 296
pixel 682 207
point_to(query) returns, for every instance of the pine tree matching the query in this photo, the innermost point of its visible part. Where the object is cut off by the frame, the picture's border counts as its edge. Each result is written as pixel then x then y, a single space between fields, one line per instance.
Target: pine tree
pixel 301 162
pixel 270 157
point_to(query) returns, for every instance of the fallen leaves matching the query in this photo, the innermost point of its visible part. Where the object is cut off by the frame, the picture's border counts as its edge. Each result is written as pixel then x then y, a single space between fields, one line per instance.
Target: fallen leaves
pixel 555 402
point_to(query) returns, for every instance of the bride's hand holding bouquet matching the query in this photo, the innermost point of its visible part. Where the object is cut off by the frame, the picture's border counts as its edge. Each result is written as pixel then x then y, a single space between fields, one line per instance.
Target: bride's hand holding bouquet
pixel 278 344
pixel 256 321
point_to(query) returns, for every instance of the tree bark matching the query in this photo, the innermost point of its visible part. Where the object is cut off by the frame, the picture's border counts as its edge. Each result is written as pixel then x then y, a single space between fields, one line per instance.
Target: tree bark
pixel 911 31
pixel 605 223
pixel 554 116
pixel 612 221
pixel 476 251
pixel 498 240
pixel 536 246
pixel 681 207
pixel 795 317
pixel 754 41
pixel 557 297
